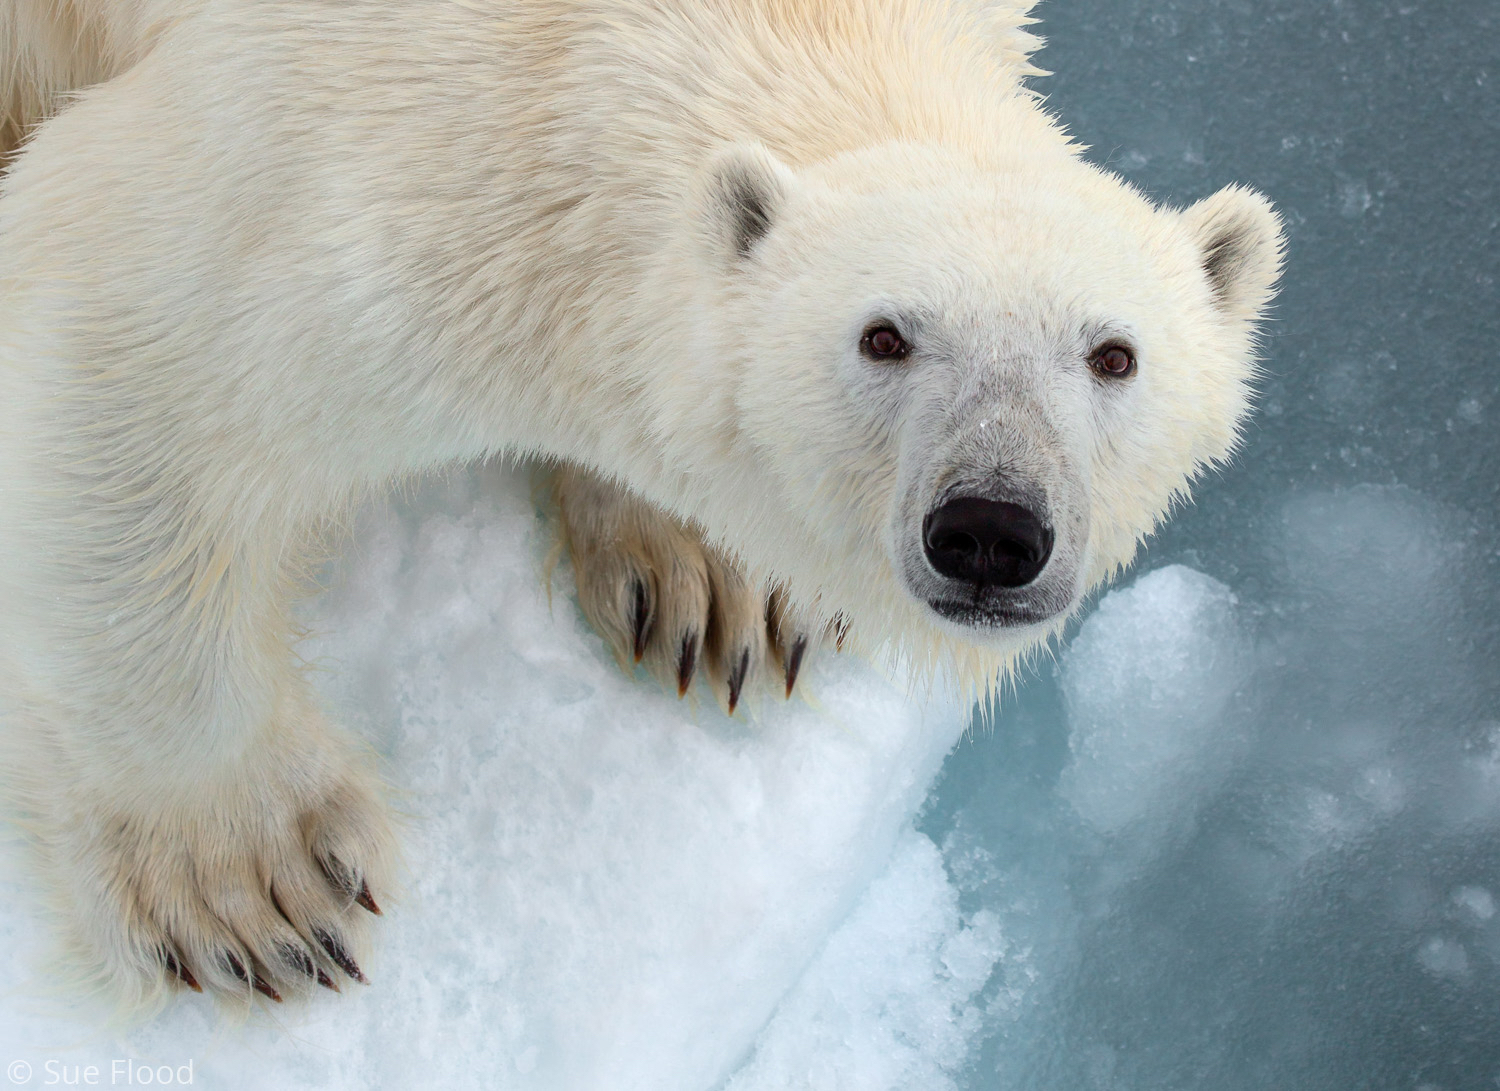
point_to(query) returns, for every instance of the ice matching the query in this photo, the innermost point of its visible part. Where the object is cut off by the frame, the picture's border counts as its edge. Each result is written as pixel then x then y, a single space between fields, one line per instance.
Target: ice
pixel 1477 900
pixel 1146 685
pixel 609 888
pixel 1444 957
pixel 890 1001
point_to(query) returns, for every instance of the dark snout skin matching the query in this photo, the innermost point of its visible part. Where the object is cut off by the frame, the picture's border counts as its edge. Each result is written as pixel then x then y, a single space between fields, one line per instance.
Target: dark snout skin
pixel 987 553
pixel 987 543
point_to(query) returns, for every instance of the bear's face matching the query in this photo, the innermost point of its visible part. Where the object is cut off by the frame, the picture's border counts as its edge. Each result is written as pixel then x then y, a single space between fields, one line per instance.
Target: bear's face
pixel 985 387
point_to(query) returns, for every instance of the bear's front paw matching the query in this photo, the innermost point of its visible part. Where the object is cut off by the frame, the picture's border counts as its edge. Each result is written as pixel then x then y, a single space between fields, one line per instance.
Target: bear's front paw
pixel 659 594
pixel 260 881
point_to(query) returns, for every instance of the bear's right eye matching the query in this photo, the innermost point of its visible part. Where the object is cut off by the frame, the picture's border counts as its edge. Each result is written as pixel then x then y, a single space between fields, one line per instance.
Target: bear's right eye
pixel 1113 360
pixel 882 341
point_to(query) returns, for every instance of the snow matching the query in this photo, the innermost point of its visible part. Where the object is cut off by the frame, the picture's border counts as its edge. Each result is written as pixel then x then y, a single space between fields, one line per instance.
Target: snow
pixel 891 1001
pixel 609 888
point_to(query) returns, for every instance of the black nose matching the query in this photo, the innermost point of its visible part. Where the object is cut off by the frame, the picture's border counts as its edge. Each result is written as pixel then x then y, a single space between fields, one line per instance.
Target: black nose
pixel 988 543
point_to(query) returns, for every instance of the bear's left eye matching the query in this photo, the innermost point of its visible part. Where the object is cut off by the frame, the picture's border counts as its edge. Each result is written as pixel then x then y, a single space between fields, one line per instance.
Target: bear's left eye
pixel 883 341
pixel 1113 360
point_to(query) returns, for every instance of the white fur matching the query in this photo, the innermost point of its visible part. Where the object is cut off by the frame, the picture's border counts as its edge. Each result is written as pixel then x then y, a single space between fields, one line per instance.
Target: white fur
pixel 284 251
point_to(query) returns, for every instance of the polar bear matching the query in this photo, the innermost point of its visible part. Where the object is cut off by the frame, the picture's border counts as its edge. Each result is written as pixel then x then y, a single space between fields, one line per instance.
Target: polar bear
pixel 827 322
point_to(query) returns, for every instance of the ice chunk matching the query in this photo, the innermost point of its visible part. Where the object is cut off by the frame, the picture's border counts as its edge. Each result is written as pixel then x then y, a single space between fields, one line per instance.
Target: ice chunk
pixel 1146 685
pixel 1444 957
pixel 890 1002
pixel 610 888
pixel 1478 901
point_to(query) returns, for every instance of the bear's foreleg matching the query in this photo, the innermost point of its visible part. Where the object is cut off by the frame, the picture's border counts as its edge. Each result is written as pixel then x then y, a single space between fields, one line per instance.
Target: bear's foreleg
pixel 660 594
pixel 201 821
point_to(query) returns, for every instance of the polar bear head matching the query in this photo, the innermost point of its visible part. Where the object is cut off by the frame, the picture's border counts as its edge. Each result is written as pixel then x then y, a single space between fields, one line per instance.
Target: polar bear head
pixel 969 389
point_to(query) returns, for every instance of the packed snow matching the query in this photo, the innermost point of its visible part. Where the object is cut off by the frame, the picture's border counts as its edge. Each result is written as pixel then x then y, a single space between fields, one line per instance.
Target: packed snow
pixel 609 887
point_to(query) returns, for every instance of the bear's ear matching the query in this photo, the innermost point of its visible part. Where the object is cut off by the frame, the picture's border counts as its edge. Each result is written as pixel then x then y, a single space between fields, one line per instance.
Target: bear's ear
pixel 1240 242
pixel 745 190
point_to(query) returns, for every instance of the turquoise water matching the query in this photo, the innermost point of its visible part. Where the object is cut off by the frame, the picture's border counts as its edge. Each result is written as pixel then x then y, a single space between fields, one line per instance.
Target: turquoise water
pixel 1275 862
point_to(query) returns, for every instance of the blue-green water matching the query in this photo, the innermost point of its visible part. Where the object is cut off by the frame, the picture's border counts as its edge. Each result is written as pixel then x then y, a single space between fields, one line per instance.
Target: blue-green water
pixel 1276 864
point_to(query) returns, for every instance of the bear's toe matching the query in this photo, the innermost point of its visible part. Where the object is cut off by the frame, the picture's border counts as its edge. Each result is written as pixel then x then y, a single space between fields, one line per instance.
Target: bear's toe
pixel 237 894
pixel 736 645
pixel 662 596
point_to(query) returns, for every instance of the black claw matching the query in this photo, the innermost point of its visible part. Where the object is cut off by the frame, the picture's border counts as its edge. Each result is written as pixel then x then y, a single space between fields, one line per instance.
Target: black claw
pixel 737 679
pixel 687 662
pixel 298 959
pixel 840 631
pixel 326 981
pixel 794 663
pixel 364 900
pixel 640 621
pixel 181 972
pixel 346 881
pixel 258 983
pixel 343 879
pixel 341 958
